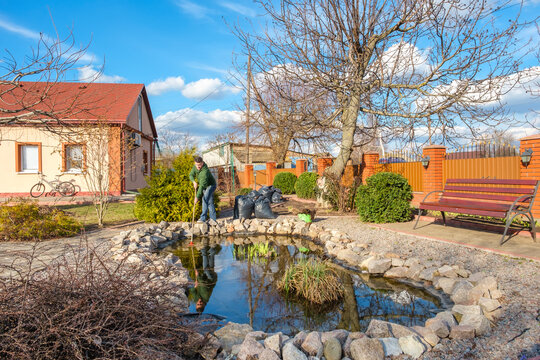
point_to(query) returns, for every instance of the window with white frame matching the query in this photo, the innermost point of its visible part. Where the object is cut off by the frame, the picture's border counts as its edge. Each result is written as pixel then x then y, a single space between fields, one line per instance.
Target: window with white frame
pixel 73 158
pixel 28 157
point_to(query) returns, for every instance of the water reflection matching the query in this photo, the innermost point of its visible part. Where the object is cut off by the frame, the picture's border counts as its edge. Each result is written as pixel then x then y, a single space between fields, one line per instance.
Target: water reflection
pixel 236 278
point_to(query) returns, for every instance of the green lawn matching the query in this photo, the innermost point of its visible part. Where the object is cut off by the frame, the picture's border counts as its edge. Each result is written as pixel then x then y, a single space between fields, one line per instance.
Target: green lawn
pixel 116 213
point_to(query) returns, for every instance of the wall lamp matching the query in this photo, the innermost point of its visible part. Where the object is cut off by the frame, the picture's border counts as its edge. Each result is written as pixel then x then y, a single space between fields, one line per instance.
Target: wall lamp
pixel 526 156
pixel 425 161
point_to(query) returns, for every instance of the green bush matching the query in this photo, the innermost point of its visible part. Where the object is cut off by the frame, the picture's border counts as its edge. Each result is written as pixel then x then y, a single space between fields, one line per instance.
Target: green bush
pixel 306 185
pixel 386 198
pixel 27 221
pixel 170 194
pixel 285 181
pixel 244 191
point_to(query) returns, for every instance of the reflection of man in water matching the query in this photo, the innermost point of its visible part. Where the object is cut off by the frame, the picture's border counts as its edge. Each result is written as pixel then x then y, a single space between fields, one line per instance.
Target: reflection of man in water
pixel 204 280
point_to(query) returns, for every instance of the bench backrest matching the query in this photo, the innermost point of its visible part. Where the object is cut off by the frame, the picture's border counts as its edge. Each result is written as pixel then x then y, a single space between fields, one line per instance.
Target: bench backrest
pixel 496 190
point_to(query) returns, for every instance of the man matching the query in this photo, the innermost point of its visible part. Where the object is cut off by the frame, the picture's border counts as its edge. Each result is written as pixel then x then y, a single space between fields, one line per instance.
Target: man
pixel 205 185
pixel 206 280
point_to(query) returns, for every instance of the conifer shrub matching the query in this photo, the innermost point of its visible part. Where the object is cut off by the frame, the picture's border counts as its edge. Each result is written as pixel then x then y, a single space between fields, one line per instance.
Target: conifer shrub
pixel 386 198
pixel 285 181
pixel 27 221
pixel 170 194
pixel 306 185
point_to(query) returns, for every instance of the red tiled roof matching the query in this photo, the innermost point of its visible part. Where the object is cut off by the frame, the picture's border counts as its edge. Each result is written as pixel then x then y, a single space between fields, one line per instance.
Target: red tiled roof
pixel 72 101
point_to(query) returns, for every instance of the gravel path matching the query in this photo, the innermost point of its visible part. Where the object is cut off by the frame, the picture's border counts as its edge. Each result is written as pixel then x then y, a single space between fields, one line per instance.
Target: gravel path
pixel 516 335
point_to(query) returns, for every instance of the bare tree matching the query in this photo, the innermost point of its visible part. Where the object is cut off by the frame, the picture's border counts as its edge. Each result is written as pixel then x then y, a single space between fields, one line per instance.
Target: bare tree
pixel 394 66
pixel 173 143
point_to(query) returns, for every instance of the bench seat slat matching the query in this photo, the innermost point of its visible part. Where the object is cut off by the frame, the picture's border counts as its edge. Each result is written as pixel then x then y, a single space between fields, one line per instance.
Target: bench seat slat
pixel 471 205
pixel 492 181
pixel 460 210
pixel 508 198
pixel 524 191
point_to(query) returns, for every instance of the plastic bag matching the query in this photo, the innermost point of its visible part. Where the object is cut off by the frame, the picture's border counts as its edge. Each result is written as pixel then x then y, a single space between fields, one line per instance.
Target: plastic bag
pixel 254 195
pixel 243 207
pixel 267 192
pixel 277 197
pixel 263 209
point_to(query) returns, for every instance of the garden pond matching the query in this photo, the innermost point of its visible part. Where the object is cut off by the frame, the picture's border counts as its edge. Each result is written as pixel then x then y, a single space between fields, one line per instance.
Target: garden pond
pixel 236 278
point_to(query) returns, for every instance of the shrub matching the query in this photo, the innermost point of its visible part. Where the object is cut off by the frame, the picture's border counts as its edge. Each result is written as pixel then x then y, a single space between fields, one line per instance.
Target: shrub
pixel 85 307
pixel 285 181
pixel 306 185
pixel 341 197
pixel 170 194
pixel 27 221
pixel 244 191
pixel 385 198
pixel 312 280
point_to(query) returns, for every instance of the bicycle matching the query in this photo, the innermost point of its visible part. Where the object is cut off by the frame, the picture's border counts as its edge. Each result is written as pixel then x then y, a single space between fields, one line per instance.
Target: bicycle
pixel 65 188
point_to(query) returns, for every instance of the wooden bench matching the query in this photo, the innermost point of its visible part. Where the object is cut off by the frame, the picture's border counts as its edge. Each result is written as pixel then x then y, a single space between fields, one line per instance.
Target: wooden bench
pixel 500 198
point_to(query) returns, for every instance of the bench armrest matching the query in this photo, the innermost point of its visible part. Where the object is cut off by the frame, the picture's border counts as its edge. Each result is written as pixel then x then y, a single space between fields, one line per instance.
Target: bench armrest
pixel 522 199
pixel 431 192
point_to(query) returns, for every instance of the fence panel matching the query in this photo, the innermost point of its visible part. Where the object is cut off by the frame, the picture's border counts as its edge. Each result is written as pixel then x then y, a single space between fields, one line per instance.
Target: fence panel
pixel 412 171
pixel 482 168
pixel 260 178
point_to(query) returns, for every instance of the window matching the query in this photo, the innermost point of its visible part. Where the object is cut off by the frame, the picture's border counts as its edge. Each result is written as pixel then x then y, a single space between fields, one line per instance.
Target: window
pixel 28 157
pixel 145 162
pixel 73 158
pixel 139 107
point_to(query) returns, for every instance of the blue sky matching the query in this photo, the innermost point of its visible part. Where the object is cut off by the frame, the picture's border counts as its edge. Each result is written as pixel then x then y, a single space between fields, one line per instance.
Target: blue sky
pixel 182 50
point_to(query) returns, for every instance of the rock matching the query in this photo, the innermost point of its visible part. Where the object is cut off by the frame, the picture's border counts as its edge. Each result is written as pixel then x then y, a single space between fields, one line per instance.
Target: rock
pixel 163 224
pixel 332 349
pixel 212 222
pixel 312 345
pixel 494 315
pixel 398 262
pixel 446 284
pixel 133 247
pixel 439 327
pixel 256 335
pixel 412 346
pixel 460 332
pixel 339 334
pixel 429 335
pixel 274 343
pixel 299 338
pixel 364 264
pixel 232 334
pixel 391 347
pixel 479 322
pixel 379 266
pixel 488 305
pixel 367 349
pixel 268 354
pixel 250 349
pixel 414 271
pixel 447 317
pixel 411 262
pixel 427 274
pixel 447 271
pixel 487 284
pixel 459 310
pixel 291 352
pixel 460 292
pixel 495 294
pixel 476 277
pixel 384 329
pixel 349 256
pixel 476 293
pixel 397 272
pixel 210 347
pixel 352 336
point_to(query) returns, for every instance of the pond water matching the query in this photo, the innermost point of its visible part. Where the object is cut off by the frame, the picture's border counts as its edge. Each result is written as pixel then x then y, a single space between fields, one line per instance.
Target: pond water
pixel 236 279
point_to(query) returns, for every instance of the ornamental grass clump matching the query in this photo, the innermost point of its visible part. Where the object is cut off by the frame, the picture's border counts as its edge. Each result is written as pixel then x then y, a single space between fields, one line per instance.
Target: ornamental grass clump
pixel 312 280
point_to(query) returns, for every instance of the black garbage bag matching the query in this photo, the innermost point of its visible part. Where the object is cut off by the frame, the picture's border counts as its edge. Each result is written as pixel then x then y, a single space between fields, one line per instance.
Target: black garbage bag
pixel 263 209
pixel 267 192
pixel 235 209
pixel 254 195
pixel 277 197
pixel 245 207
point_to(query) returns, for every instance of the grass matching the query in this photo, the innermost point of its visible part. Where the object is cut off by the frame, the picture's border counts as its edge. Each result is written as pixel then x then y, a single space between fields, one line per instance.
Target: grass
pixel 117 213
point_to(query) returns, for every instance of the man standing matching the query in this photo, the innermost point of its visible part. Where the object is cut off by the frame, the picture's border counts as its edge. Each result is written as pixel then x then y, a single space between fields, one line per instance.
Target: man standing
pixel 205 185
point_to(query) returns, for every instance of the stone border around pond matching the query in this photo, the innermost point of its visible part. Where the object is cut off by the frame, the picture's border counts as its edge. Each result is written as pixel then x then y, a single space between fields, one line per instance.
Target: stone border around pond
pixel 475 296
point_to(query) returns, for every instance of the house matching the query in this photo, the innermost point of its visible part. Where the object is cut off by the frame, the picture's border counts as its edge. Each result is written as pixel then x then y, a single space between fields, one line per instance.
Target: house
pixel 99 136
pixel 228 153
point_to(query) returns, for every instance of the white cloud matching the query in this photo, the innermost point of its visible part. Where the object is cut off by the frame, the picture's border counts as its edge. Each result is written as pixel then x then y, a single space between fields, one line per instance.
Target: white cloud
pixel 89 74
pixel 208 88
pixel 198 122
pixel 192 8
pixel 169 84
pixel 27 33
pixel 241 9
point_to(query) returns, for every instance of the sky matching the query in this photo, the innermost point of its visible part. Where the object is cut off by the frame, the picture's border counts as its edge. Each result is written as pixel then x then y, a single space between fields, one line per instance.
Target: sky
pixel 182 50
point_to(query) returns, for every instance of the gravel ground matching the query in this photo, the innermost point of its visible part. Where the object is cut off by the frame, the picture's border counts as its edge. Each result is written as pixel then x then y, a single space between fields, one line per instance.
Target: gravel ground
pixel 516 335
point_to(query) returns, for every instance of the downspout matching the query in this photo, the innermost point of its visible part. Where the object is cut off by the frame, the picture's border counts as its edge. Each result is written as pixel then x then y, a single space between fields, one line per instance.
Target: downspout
pixel 122 159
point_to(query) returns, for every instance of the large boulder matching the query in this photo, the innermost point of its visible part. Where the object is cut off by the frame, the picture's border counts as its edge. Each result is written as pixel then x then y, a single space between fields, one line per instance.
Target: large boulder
pixel 232 334
pixel 385 329
pixel 367 349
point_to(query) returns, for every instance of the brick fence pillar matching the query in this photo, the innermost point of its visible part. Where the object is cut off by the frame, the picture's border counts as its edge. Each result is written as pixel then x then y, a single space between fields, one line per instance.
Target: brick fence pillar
pixel 432 175
pixel 301 167
pixel 248 175
pixel 532 170
pixel 323 164
pixel 270 166
pixel 370 162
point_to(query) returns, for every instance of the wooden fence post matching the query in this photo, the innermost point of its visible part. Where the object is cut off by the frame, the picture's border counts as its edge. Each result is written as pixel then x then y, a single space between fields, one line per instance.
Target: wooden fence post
pixel 532 170
pixel 370 162
pixel 270 166
pixel 432 175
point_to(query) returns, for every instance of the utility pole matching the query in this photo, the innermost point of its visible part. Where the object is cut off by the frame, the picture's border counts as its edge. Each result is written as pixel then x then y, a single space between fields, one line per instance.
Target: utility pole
pixel 248 104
